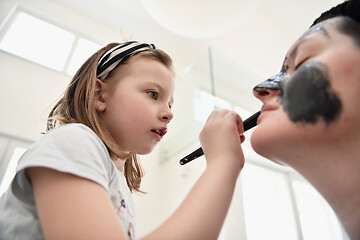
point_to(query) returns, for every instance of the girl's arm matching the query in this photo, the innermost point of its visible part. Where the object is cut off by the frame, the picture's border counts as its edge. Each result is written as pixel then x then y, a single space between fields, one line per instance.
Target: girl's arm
pixel 203 211
pixel 72 207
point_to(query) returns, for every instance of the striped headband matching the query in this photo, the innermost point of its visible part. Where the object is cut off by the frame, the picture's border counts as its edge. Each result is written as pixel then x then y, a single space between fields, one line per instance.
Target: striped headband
pixel 119 54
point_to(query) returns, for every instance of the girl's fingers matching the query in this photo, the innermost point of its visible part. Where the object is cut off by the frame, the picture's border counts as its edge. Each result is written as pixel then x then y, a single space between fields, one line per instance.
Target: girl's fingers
pixel 222 114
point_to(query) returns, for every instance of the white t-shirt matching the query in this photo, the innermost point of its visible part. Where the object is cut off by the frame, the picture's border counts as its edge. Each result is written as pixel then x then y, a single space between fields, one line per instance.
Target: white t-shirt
pixel 74 149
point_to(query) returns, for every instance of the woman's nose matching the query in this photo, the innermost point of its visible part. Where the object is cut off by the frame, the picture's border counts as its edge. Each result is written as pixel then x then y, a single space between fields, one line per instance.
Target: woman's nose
pixel 263 93
pixel 270 88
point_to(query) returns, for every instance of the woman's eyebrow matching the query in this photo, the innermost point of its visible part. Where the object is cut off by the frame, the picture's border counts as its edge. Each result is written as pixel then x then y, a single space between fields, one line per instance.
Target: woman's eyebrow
pixel 303 39
pixel 320 29
pixel 294 50
pixel 291 54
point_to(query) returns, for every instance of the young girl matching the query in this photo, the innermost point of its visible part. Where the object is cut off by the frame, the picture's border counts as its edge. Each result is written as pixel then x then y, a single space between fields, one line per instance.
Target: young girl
pixel 310 119
pixel 76 181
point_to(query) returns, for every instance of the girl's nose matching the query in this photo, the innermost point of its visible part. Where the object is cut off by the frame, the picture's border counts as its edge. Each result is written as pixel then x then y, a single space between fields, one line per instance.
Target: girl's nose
pixel 167 115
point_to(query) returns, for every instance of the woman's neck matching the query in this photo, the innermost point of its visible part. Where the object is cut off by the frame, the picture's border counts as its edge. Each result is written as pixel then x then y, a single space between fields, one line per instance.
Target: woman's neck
pixel 335 173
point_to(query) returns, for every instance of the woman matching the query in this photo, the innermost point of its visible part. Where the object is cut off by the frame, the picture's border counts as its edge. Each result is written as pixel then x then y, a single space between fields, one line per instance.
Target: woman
pixel 310 119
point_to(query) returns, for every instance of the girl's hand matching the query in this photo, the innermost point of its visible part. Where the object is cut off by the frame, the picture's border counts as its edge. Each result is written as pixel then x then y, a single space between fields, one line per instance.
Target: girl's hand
pixel 221 139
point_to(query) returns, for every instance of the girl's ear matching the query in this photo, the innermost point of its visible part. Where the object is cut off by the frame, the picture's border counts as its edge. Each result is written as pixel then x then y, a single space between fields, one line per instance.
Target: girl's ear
pixel 99 99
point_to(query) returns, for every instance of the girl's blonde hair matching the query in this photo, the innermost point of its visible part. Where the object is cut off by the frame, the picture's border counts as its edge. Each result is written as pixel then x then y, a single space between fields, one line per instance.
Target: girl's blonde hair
pixel 78 106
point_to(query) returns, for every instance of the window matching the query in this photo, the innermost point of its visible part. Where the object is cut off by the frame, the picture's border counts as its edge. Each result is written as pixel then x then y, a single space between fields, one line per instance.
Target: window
pixel 38 41
pixel 83 50
pixel 46 44
pixel 281 205
pixel 204 103
pixel 11 150
pixel 267 205
pixel 11 169
pixel 318 220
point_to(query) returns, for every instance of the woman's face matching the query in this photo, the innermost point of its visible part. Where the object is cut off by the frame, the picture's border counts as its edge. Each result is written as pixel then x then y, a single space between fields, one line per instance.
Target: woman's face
pixel 314 99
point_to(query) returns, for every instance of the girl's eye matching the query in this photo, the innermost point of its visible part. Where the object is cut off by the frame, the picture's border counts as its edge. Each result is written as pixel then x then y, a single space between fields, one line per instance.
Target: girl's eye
pixel 153 94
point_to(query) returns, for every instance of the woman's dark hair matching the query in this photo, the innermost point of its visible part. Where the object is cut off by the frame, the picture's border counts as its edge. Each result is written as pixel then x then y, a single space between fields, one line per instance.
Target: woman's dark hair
pixel 349 9
pixel 351 25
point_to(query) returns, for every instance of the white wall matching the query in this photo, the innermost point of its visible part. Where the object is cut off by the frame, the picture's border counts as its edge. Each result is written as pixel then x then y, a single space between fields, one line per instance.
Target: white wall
pixel 27 93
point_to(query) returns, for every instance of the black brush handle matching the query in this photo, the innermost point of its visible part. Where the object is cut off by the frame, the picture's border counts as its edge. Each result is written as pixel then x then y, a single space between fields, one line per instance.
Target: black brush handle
pixel 248 124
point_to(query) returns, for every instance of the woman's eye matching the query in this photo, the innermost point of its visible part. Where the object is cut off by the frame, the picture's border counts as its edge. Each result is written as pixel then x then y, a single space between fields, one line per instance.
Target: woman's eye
pixel 300 63
pixel 153 94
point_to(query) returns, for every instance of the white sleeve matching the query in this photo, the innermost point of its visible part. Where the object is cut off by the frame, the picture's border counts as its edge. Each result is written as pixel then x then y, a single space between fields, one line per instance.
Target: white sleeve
pixel 72 148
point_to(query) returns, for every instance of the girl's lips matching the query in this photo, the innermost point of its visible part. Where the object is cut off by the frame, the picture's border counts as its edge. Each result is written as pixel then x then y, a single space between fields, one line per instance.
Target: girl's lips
pixel 159 133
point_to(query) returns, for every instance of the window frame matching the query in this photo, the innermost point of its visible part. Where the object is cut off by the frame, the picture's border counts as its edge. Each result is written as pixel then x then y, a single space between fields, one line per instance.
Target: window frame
pixel 7 147
pixel 11 17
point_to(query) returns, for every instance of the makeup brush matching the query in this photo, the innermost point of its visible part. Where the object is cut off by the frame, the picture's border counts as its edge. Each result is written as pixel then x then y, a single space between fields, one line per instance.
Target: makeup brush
pixel 248 123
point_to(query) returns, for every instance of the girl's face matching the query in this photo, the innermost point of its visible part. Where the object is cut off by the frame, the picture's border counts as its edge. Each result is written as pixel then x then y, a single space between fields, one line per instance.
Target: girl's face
pixel 314 100
pixel 137 101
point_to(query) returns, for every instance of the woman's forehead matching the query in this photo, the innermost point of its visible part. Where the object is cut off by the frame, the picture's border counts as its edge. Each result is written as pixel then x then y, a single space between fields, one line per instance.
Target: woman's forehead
pixel 323 29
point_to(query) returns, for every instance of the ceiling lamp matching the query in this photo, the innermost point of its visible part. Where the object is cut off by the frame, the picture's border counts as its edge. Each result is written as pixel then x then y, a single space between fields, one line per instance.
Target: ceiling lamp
pixel 200 18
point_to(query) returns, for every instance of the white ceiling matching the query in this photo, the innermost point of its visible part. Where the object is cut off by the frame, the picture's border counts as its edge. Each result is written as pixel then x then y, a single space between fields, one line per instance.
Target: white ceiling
pixel 256 47
pixel 259 43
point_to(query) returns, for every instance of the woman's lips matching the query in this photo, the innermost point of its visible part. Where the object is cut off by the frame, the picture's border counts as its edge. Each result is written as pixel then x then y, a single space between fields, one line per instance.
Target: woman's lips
pixel 264 109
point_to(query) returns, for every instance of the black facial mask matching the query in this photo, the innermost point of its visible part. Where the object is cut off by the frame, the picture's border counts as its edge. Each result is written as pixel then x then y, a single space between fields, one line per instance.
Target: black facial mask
pixel 306 96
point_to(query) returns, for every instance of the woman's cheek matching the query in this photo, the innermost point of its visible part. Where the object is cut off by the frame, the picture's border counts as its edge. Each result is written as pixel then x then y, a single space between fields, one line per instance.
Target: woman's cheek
pixel 307 96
